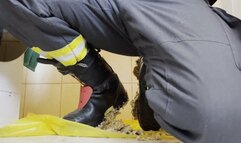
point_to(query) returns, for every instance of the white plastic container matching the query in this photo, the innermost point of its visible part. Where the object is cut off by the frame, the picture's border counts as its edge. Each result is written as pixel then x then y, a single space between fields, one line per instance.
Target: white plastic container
pixel 10 90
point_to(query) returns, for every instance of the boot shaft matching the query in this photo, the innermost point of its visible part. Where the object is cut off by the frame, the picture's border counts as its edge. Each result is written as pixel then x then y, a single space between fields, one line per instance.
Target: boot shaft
pixel 92 70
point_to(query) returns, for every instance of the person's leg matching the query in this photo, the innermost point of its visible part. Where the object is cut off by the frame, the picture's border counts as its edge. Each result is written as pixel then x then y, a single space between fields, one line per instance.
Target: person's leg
pixel 35 23
pixel 98 21
pixel 192 79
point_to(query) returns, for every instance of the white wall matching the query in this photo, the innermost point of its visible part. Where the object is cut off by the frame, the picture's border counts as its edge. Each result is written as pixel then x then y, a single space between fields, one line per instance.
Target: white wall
pixel 231 6
pixel 11 74
pixel 236 8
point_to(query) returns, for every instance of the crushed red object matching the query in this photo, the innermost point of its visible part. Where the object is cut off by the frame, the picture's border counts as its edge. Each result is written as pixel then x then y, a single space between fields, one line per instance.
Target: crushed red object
pixel 85 94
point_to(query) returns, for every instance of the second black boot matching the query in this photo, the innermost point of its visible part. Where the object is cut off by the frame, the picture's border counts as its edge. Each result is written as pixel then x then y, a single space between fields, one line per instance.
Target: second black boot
pixel 144 113
pixel 108 91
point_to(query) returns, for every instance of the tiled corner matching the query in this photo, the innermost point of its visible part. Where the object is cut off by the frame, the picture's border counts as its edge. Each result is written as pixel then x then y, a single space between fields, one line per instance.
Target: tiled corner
pixel 22 101
pixel 133 65
pixel 120 64
pixel 69 98
pixel 125 112
pixel 24 76
pixel 42 99
pixel 69 79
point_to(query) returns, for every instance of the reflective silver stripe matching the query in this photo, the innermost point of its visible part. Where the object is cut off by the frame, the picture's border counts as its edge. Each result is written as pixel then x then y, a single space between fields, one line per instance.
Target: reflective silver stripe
pixel 44 54
pixel 73 54
pixel 79 49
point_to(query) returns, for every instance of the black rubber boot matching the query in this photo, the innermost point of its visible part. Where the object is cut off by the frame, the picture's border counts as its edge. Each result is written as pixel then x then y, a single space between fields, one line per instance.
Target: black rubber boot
pixel 145 114
pixel 211 2
pixel 107 88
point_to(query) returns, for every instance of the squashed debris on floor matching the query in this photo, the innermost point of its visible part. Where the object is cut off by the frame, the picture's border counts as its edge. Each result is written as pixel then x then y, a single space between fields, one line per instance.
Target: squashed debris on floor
pixel 111 124
pixel 131 127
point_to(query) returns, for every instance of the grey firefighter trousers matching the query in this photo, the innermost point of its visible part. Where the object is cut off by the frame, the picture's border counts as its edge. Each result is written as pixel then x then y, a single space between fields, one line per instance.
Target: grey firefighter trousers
pixel 192 52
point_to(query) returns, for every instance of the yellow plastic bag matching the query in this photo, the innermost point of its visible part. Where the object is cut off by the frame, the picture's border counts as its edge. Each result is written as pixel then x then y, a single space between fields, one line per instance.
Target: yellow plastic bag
pixel 149 135
pixel 26 127
pixel 42 125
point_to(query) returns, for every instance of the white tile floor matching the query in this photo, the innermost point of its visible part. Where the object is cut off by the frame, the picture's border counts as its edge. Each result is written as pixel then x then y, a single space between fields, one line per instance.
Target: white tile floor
pixel 60 139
